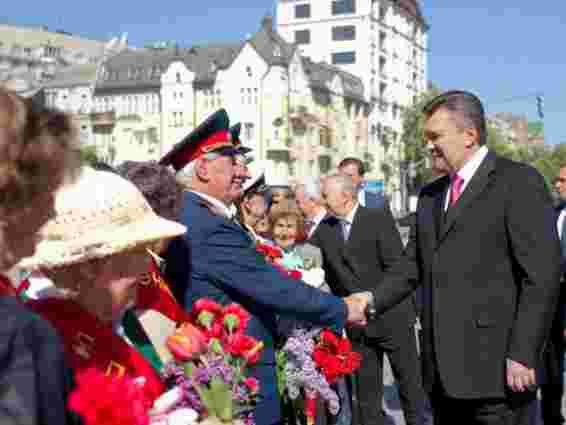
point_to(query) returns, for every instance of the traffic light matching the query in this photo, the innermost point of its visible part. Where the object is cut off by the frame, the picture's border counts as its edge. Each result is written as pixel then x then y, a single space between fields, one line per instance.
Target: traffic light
pixel 540 106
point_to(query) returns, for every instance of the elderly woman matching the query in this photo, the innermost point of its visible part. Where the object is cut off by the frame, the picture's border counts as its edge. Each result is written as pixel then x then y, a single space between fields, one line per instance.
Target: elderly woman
pixel 96 253
pixel 37 154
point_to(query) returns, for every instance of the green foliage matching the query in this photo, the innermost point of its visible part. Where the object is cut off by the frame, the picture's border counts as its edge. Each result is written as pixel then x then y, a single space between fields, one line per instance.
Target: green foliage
pixel 88 154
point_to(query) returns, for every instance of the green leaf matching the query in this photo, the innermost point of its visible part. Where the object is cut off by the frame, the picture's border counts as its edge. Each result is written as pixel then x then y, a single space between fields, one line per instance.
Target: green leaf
pixel 222 399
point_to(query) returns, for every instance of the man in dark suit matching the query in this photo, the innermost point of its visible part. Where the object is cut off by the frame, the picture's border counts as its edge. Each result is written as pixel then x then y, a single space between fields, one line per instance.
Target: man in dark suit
pixel 552 387
pixel 225 267
pixel 356 169
pixel 359 244
pixel 486 250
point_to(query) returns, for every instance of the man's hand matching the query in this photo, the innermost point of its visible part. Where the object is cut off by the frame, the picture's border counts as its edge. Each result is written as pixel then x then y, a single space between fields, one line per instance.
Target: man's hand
pixel 519 377
pixel 357 304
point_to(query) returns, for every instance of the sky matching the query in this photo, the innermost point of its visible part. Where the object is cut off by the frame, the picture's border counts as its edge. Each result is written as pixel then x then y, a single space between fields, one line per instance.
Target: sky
pixel 506 51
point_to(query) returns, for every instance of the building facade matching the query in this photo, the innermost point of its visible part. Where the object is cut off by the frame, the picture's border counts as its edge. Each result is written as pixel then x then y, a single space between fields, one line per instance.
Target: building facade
pixel 384 43
pixel 300 118
pixel 31 57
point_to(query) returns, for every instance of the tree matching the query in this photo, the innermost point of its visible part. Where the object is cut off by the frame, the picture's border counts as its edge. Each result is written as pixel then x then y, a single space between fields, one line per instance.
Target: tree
pixel 89 154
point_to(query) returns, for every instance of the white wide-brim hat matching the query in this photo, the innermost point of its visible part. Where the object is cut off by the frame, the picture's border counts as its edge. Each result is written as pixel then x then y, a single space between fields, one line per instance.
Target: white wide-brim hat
pixel 99 215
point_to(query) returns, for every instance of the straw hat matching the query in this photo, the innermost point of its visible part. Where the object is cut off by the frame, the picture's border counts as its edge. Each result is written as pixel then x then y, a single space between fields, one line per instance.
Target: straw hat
pixel 99 215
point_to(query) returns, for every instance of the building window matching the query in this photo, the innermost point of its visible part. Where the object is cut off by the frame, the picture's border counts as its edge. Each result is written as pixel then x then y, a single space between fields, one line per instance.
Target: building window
pixel 342 33
pixel 302 11
pixel 178 77
pixel 249 131
pixel 343 58
pixel 341 7
pixel 302 37
pixel 382 12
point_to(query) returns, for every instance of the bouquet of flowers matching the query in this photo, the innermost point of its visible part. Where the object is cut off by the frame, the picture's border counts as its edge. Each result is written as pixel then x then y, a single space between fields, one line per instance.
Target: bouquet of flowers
pixel 207 377
pixel 312 359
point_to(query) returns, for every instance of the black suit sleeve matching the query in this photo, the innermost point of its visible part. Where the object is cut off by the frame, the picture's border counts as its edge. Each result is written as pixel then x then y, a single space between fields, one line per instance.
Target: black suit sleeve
pixel 33 379
pixel 536 249
pixel 401 278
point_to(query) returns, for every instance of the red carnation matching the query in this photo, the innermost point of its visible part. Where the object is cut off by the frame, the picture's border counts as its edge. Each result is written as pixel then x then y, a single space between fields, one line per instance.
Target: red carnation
pixel 295 274
pixel 334 356
pixel 244 346
pixel 252 384
pixel 235 318
pixel 115 401
pixel 270 253
pixel 205 312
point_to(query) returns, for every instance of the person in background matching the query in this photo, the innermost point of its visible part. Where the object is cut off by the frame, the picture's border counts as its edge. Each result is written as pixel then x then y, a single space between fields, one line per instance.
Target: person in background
pixel 359 245
pixel 252 207
pixel 552 387
pixel 164 194
pixel 309 201
pixel 356 169
pixel 38 154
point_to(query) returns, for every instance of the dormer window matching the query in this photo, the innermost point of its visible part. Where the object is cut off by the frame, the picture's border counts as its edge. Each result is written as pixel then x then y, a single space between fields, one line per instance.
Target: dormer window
pixel 277 51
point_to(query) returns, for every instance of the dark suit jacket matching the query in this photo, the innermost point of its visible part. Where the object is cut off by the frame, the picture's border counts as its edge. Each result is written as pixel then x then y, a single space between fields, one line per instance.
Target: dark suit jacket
pixel 490 269
pixel 374 245
pixel 33 379
pixel 225 267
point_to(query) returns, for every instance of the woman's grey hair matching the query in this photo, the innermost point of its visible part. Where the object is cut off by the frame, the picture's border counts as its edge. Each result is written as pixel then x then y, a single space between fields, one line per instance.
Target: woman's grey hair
pixel 342 183
pixel 311 189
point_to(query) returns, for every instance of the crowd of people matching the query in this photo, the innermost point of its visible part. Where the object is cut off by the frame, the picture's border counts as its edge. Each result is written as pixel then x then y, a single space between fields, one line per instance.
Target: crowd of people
pixel 98 262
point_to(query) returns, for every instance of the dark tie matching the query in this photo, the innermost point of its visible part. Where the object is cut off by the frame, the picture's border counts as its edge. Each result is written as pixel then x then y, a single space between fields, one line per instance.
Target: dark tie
pixel 308 226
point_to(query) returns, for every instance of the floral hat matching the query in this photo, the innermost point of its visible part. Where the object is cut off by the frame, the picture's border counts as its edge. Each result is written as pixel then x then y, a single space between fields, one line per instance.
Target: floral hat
pixel 100 215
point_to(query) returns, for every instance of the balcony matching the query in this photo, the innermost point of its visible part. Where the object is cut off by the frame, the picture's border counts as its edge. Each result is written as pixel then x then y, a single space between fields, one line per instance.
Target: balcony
pixel 278 149
pixel 103 119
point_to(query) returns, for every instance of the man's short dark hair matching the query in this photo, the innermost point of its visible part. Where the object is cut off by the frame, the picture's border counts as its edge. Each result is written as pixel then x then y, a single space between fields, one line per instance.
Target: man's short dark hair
pixel 355 161
pixel 464 104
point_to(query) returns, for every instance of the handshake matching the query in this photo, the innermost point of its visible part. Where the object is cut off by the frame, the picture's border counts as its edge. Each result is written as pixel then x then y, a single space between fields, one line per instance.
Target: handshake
pixel 360 308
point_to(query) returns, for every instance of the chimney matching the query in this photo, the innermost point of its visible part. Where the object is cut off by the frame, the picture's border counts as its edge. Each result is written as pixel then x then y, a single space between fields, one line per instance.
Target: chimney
pixel 267 23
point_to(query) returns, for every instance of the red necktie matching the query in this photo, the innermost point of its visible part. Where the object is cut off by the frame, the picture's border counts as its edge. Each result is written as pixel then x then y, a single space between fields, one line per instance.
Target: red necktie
pixel 456 189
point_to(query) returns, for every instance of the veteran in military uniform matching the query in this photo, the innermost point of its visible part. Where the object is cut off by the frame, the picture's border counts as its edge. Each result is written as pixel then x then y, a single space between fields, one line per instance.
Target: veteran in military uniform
pixel 224 265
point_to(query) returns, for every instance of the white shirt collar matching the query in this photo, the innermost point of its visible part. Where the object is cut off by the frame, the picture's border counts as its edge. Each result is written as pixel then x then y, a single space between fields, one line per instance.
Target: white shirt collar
pixel 316 221
pixel 468 171
pixel 352 214
pixel 222 208
pixel 560 221
pixel 470 167
pixel 362 196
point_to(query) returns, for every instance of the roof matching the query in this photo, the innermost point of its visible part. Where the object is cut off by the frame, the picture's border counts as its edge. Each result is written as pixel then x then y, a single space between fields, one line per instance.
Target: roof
pixel 271 46
pixel 413 8
pixel 143 67
pixel 73 76
pixel 321 74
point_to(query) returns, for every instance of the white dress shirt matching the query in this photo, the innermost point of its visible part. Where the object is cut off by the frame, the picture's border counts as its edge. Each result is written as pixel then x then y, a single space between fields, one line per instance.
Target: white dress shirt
pixel 316 221
pixel 560 222
pixel 467 172
pixel 220 206
pixel 362 197
pixel 348 221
